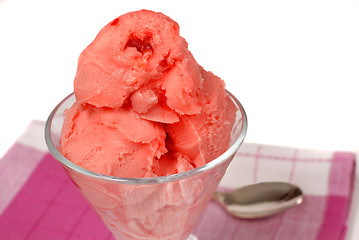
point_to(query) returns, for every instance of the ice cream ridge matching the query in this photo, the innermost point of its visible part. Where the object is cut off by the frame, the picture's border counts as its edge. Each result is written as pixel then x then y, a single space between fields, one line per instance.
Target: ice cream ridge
pixel 144 106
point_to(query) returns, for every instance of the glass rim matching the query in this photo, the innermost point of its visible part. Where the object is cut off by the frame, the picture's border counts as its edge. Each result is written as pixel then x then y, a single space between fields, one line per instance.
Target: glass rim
pixel 148 180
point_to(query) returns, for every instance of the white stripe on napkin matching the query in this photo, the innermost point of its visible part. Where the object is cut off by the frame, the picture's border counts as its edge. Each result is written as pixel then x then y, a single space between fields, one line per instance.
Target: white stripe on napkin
pixel 258 163
pixel 34 136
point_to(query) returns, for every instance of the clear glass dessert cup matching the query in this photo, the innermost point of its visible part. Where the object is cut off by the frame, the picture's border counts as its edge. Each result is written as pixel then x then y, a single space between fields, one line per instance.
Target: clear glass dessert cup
pixel 165 208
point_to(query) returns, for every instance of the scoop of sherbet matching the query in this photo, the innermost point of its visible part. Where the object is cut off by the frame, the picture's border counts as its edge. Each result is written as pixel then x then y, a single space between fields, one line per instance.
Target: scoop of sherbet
pixel 111 141
pixel 131 51
pixel 144 106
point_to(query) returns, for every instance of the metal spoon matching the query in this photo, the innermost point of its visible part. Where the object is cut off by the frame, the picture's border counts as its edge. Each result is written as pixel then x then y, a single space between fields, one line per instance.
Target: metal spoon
pixel 260 200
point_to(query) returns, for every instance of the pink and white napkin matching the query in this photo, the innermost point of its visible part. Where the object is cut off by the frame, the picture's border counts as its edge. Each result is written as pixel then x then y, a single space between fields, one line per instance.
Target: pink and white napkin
pixel 38 201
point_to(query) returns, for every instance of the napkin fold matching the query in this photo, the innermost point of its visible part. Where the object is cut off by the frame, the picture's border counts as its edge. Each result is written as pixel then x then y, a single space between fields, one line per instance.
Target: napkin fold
pixel 38 201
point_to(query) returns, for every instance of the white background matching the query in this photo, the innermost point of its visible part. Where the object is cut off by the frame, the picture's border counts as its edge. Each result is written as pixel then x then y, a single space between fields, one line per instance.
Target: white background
pixel 294 65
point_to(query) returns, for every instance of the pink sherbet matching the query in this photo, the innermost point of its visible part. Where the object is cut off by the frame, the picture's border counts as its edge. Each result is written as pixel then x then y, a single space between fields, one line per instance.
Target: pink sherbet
pixel 144 106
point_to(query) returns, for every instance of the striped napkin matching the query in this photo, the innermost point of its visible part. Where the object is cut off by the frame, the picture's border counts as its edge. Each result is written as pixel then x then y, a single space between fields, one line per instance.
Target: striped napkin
pixel 38 201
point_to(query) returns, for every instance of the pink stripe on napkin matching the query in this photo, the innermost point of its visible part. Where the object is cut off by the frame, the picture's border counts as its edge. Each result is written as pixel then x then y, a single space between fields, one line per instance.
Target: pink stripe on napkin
pixel 40 202
pixel 50 207
pixel 15 168
pixel 341 187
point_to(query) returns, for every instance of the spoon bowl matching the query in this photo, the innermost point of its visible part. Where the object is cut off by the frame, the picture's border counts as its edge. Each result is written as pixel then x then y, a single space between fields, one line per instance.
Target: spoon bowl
pixel 260 199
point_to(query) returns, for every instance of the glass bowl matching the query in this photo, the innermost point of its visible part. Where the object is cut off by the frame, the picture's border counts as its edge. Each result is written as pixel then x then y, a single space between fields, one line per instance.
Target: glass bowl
pixel 166 207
